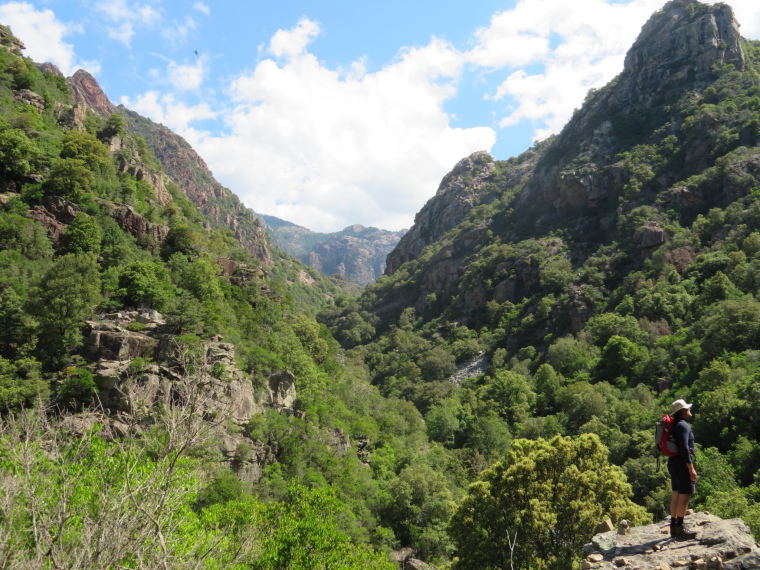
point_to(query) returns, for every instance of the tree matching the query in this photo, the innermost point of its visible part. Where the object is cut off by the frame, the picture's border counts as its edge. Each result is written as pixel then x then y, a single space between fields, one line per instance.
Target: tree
pixel 145 283
pixel 21 384
pixel 511 395
pixel 86 147
pixel 546 495
pixel 70 178
pixel 82 235
pixel 419 507
pixel 114 127
pixel 16 152
pixel 734 326
pixel 63 299
pixel 77 390
pixel 301 533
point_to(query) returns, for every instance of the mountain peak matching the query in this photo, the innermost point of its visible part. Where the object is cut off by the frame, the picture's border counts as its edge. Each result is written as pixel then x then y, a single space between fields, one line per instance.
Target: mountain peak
pixel 680 44
pixel 86 89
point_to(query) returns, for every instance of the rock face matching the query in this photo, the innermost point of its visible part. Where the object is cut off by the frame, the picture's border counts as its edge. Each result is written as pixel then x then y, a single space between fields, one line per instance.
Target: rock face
pixel 140 171
pixel 673 47
pixel 86 90
pixel 185 167
pixel 10 42
pixel 454 199
pixel 719 543
pixel 136 225
pixel 357 253
pixel 677 51
pixel 54 214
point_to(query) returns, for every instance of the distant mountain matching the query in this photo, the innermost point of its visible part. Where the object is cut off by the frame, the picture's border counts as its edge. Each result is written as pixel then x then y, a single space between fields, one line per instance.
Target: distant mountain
pixel 357 253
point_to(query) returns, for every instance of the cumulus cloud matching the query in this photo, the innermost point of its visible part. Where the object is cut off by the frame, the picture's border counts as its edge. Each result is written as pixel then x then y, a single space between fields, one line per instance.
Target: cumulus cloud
pixel 327 148
pixel 44 34
pixel 186 77
pixel 570 46
pixel 166 109
pixel 554 51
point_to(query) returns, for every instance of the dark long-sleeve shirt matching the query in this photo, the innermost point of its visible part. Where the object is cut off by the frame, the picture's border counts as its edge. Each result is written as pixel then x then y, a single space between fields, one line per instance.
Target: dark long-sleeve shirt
pixel 684 439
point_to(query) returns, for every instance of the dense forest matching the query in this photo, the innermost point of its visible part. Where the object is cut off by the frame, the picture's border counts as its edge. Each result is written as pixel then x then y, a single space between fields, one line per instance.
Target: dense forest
pixel 483 405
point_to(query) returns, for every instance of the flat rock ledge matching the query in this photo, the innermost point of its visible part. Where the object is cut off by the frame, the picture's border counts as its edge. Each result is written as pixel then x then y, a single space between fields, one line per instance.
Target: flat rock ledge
pixel 719 543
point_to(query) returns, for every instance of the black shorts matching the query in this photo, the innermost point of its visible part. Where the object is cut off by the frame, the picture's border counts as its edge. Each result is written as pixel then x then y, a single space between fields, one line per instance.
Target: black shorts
pixel 680 480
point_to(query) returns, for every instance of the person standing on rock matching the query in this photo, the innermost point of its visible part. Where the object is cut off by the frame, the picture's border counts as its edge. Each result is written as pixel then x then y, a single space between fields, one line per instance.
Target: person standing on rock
pixel 683 476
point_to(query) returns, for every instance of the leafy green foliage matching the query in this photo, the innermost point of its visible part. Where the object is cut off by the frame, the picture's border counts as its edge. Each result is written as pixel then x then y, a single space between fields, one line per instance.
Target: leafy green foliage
pixel 537 508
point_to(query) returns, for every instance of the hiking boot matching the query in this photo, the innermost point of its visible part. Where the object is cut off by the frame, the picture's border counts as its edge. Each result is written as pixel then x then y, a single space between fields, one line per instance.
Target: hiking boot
pixel 680 533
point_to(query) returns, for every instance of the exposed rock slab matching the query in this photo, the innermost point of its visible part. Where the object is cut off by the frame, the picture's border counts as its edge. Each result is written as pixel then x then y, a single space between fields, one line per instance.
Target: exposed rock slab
pixel 719 543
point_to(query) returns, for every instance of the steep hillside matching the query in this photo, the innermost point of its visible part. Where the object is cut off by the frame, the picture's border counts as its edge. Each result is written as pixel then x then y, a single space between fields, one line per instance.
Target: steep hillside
pixel 584 285
pixel 218 207
pixel 357 253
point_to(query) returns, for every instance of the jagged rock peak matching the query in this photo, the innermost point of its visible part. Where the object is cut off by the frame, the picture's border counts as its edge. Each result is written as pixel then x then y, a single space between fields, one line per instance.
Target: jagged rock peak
pixel 456 196
pixel 86 90
pixel 680 43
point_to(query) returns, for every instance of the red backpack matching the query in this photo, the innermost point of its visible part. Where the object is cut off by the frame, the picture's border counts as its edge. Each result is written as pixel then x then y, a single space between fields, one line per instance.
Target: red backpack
pixel 664 444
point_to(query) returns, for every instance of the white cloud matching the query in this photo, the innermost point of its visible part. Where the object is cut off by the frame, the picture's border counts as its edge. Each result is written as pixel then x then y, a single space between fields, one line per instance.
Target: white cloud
pixel 122 33
pixel 570 48
pixel 44 34
pixel 327 148
pixel 166 109
pixel 186 77
pixel 292 43
pixel 203 8
pixel 125 16
pixel 748 14
pixel 575 46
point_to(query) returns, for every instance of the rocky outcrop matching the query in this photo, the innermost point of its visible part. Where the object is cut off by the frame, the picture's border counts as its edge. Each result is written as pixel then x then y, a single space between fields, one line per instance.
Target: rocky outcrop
pixel 10 42
pixel 72 118
pixel 185 167
pixel 677 52
pixel 135 167
pixel 50 68
pixel 30 98
pixel 136 225
pixel 678 45
pixel 719 543
pixel 455 198
pixel 54 214
pixel 85 89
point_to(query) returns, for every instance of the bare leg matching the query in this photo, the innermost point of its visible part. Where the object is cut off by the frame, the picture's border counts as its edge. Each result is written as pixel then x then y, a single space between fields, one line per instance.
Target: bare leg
pixel 674 504
pixel 682 504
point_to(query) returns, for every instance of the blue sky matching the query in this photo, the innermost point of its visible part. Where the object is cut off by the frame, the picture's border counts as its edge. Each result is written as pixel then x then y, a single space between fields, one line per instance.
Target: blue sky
pixel 340 112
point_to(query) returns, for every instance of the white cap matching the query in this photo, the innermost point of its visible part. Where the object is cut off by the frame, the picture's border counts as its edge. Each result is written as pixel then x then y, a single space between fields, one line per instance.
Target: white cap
pixel 679 405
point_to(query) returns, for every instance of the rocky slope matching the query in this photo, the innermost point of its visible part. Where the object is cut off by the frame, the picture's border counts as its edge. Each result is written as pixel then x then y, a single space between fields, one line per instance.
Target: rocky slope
pixel 357 253
pixel 624 149
pixel 183 166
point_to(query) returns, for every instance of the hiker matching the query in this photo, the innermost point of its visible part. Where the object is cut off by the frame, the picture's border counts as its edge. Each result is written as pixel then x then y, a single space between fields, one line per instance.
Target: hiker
pixel 683 476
